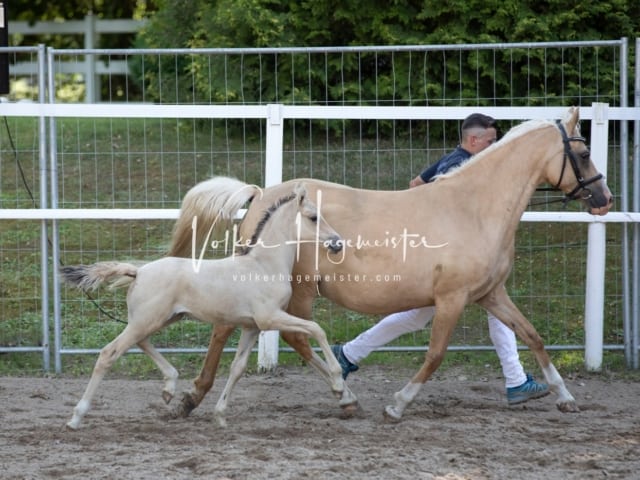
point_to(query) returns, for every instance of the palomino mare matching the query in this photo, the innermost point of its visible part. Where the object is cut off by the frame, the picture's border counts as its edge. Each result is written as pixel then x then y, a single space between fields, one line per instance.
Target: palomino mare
pixel 250 290
pixel 452 243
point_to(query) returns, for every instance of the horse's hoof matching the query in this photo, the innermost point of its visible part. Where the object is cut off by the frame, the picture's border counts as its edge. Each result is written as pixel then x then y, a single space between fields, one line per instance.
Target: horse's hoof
pixel 186 406
pixel 167 396
pixel 73 425
pixel 568 407
pixel 221 421
pixel 391 415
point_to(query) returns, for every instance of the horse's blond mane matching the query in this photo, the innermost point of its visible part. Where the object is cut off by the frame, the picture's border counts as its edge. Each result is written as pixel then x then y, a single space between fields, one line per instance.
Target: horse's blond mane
pixel 513 133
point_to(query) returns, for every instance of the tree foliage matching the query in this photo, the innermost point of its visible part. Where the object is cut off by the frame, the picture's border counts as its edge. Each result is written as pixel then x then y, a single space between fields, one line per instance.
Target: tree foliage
pixel 446 77
pixel 389 77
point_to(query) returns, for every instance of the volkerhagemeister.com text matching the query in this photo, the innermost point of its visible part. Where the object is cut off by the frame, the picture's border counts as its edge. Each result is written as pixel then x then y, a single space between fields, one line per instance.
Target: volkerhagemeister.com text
pixel 317 277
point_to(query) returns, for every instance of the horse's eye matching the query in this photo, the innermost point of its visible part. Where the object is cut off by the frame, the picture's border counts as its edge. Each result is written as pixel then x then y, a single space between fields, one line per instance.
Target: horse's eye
pixel 585 155
pixel 313 218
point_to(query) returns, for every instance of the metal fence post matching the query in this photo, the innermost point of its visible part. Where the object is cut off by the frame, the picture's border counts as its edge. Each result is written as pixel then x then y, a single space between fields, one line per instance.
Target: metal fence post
pixel 44 243
pixel 92 89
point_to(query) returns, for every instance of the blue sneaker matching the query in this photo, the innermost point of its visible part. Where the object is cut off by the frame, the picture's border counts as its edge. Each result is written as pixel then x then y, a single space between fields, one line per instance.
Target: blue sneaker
pixel 529 390
pixel 347 366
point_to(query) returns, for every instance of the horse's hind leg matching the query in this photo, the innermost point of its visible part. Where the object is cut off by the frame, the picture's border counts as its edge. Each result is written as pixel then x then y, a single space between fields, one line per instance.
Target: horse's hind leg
pixel 204 381
pixel 108 355
pixel 248 339
pixel 448 310
pixel 499 303
pixel 168 371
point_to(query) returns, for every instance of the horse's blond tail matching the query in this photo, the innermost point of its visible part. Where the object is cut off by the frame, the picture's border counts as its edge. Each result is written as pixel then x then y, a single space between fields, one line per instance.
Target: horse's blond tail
pixel 214 203
pixel 90 277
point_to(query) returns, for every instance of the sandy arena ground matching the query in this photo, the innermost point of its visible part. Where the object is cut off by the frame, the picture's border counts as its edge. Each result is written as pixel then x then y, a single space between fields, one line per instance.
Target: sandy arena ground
pixel 286 425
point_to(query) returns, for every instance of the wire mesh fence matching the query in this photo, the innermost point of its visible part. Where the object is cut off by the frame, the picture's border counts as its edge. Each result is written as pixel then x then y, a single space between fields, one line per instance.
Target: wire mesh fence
pixel 151 162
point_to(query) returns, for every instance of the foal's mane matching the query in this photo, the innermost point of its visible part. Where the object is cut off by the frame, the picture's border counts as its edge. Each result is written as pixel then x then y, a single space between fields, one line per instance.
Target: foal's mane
pixel 245 249
pixel 514 133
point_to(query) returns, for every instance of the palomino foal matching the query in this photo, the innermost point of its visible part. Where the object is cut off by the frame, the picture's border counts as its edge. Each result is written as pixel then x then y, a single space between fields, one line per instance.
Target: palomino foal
pixel 249 290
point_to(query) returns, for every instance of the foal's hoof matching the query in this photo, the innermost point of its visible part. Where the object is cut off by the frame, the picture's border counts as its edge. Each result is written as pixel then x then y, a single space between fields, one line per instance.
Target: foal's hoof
pixel 568 407
pixel 167 396
pixel 352 410
pixel 73 425
pixel 221 421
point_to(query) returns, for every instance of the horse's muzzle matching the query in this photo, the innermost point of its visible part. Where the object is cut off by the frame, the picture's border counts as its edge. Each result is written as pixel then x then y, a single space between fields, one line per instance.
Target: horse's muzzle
pixel 600 204
pixel 601 210
pixel 334 244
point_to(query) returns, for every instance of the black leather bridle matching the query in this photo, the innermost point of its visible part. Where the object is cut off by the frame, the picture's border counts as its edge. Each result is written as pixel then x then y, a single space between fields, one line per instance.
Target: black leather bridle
pixel 580 192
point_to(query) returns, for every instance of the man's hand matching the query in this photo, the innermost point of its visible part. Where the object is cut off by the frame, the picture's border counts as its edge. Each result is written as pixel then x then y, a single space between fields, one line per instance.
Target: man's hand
pixel 416 182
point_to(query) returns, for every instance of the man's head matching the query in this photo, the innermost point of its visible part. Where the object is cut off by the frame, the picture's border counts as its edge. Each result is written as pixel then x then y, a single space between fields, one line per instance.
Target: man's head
pixel 478 132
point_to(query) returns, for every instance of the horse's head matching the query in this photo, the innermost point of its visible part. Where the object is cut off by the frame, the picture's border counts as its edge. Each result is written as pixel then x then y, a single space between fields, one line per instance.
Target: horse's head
pixel 312 224
pixel 579 179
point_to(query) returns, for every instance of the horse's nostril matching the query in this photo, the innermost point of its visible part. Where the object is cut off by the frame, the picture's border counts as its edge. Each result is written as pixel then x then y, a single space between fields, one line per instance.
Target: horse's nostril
pixel 335 244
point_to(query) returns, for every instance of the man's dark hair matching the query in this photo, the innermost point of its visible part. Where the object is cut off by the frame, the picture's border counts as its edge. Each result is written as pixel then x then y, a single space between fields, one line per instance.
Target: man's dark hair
pixel 478 120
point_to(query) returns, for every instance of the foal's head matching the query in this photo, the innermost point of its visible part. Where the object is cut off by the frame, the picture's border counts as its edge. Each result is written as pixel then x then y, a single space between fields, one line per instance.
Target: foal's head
pixel 312 225
pixel 299 217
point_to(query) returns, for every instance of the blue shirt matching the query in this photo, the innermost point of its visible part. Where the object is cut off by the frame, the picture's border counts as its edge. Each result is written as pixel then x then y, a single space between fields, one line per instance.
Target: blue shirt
pixel 446 163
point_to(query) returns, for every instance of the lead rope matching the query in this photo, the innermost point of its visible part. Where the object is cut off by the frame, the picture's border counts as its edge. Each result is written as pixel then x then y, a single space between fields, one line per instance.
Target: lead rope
pixel 33 201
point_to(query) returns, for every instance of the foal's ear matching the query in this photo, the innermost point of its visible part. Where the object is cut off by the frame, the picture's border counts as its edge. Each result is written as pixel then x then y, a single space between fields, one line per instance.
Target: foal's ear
pixel 300 191
pixel 571 119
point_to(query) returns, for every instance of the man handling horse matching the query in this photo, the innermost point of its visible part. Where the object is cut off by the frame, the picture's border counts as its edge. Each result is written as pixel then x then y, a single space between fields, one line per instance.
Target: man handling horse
pixel 477 133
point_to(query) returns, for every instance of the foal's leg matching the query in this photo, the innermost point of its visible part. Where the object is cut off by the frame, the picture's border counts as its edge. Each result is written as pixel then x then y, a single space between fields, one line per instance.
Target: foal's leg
pixel 448 312
pixel 300 343
pixel 248 339
pixel 108 355
pixel 283 321
pixel 204 381
pixel 301 306
pixel 169 372
pixel 499 303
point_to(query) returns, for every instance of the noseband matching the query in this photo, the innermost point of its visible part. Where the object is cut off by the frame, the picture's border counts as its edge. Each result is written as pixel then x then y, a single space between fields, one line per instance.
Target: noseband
pixel 581 188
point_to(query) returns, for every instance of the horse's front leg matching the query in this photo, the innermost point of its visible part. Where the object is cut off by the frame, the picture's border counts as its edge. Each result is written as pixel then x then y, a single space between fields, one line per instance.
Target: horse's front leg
pixel 203 383
pixel 248 339
pixel 499 303
pixel 300 343
pixel 448 312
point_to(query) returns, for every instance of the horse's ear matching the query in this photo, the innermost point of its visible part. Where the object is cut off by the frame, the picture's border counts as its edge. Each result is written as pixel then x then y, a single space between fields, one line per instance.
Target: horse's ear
pixel 572 119
pixel 300 191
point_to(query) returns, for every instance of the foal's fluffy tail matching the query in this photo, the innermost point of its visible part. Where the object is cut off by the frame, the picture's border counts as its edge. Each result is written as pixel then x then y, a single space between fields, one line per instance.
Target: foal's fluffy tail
pixel 90 277
pixel 213 204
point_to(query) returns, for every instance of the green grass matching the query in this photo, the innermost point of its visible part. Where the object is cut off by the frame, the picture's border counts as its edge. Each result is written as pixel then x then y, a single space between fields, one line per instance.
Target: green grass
pixel 120 163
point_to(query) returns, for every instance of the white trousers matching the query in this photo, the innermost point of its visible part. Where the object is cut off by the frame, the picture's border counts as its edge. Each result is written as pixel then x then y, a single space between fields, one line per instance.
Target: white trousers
pixel 397 324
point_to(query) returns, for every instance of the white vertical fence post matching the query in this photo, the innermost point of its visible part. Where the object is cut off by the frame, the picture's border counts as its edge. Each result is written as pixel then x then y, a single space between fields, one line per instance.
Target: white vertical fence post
pixel 596 250
pixel 268 341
